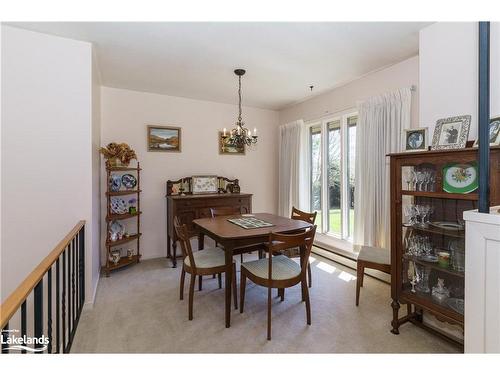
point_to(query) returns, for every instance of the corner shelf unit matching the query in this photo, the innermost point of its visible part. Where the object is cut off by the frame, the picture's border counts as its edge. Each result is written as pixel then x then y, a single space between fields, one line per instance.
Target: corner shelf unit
pixel 110 217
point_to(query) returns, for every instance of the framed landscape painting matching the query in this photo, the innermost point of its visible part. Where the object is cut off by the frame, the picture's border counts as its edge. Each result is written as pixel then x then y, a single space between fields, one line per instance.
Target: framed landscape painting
pixel 226 149
pixel 164 138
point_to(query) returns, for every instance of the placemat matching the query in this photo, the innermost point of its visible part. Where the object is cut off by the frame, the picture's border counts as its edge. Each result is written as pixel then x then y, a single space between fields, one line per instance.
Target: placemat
pixel 250 223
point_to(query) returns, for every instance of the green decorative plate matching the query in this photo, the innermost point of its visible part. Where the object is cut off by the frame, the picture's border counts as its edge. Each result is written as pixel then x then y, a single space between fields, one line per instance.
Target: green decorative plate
pixel 460 178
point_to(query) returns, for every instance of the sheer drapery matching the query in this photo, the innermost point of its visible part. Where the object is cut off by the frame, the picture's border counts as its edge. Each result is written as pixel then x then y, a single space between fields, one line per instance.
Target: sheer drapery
pixel 292 180
pixel 381 124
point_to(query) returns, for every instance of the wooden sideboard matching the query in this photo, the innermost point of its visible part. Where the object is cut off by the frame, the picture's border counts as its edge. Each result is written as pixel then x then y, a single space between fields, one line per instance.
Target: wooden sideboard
pixel 190 207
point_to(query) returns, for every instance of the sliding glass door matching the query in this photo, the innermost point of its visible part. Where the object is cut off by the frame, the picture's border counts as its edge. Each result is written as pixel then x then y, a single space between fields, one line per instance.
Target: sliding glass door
pixel 332 164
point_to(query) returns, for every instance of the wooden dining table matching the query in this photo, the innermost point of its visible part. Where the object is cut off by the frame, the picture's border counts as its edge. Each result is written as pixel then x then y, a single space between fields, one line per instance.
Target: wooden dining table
pixel 231 236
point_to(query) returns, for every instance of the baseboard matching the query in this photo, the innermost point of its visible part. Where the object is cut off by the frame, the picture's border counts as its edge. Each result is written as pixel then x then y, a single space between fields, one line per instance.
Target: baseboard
pixel 348 260
pixel 89 305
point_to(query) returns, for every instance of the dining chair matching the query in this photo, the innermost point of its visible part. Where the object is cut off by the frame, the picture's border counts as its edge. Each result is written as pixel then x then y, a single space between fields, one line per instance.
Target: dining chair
pixel 374 258
pixel 228 211
pixel 280 271
pixel 308 217
pixel 210 261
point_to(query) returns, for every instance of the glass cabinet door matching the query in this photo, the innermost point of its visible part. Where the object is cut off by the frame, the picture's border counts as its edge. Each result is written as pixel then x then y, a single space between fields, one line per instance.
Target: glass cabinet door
pixel 433 239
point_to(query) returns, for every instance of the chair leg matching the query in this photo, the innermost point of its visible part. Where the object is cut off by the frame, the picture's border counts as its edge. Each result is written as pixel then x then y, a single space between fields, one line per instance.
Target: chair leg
pixel 281 293
pixel 191 295
pixel 260 254
pixel 243 282
pixel 183 276
pixel 213 276
pixel 235 292
pixel 200 282
pixel 269 300
pixel 241 257
pixel 362 275
pixel 308 302
pixel 309 274
pixel 220 280
pixel 359 279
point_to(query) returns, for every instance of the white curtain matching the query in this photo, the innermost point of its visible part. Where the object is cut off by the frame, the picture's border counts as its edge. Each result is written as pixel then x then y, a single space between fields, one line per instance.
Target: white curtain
pixel 380 131
pixel 292 178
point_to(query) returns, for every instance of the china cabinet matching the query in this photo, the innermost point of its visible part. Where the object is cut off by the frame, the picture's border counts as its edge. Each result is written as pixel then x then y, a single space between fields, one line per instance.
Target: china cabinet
pixel 430 190
pixel 122 206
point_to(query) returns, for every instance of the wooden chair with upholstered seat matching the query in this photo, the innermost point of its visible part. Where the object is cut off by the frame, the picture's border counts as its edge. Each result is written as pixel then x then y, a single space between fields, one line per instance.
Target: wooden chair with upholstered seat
pixel 374 258
pixel 209 261
pixel 229 211
pixel 308 217
pixel 280 271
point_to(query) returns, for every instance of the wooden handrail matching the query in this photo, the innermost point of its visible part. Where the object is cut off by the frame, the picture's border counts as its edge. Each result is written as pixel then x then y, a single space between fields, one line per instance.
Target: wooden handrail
pixel 18 296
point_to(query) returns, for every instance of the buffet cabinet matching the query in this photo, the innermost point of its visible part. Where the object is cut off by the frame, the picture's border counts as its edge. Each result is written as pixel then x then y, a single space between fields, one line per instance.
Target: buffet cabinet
pixel 429 193
pixel 188 207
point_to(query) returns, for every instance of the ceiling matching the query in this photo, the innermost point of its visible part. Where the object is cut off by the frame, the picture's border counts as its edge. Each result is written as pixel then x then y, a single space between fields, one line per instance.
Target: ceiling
pixel 196 60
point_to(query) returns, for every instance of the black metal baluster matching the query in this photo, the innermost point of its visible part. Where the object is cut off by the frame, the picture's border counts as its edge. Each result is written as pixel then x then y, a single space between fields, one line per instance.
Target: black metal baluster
pixel 63 311
pixel 82 261
pixel 5 336
pixel 77 276
pixel 69 290
pixel 38 302
pixel 49 308
pixel 73 300
pixel 58 342
pixel 23 322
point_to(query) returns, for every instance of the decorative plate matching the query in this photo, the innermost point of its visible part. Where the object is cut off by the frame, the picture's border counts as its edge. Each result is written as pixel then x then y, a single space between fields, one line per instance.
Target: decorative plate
pixel 448 225
pixel 129 181
pixel 118 205
pixel 460 178
pixel 115 182
pixel 116 227
pixel 429 258
pixel 456 304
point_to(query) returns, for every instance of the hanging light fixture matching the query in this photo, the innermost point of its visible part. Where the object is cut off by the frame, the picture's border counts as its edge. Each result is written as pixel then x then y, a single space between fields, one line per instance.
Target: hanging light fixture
pixel 239 136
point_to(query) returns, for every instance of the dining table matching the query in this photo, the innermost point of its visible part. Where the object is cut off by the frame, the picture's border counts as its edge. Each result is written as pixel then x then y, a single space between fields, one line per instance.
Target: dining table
pixel 232 236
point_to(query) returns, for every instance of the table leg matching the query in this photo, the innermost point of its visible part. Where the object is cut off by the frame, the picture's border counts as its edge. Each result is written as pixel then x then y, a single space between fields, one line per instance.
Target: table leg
pixel 201 241
pixel 174 255
pixel 169 254
pixel 228 250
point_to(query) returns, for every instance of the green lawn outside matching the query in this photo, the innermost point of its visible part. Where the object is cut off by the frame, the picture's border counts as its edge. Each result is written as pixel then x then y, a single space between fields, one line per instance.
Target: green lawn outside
pixel 335 218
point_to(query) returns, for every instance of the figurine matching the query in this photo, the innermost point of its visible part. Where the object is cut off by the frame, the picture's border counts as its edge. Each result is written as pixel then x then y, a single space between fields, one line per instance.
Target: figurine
pixel 440 292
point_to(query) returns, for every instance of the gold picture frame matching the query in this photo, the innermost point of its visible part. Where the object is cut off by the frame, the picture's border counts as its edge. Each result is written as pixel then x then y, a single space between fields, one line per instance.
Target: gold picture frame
pixel 164 138
pixel 225 149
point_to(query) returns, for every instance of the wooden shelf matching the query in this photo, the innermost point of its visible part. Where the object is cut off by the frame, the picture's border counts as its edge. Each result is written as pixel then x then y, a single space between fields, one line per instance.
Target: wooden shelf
pixel 121 216
pixel 430 304
pixel 434 266
pixel 123 240
pixel 122 192
pixel 124 261
pixel 442 195
pixel 435 230
pixel 123 169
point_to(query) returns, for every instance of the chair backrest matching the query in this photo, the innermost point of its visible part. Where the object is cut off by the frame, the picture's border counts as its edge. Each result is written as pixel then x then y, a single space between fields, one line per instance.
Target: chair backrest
pixel 225 211
pixel 308 217
pixel 304 240
pixel 184 239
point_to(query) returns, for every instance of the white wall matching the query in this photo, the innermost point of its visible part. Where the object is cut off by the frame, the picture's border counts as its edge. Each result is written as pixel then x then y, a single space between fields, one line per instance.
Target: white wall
pixel 46 148
pixel 96 175
pixel 125 115
pixel 403 74
pixel 449 72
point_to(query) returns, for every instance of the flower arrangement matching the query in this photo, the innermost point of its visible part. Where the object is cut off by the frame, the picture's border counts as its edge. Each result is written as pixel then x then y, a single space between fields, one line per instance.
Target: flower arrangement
pixel 118 151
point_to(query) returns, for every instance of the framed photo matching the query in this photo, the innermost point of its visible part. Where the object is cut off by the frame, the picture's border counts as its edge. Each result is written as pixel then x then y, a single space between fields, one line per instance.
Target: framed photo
pixel 164 138
pixel 416 139
pixel 226 149
pixel 494 133
pixel 204 184
pixel 451 133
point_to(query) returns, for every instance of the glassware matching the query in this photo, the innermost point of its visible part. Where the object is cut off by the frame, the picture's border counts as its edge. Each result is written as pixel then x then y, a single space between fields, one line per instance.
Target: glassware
pixel 457 251
pixel 422 278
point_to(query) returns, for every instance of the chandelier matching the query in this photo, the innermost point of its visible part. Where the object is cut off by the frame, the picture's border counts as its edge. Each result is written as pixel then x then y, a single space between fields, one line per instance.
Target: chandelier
pixel 239 136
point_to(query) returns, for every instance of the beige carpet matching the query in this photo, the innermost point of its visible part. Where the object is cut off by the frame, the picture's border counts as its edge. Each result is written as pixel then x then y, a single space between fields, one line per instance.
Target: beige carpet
pixel 137 310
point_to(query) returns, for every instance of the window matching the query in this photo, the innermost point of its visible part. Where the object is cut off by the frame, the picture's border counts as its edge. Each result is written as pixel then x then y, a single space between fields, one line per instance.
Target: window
pixel 332 164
